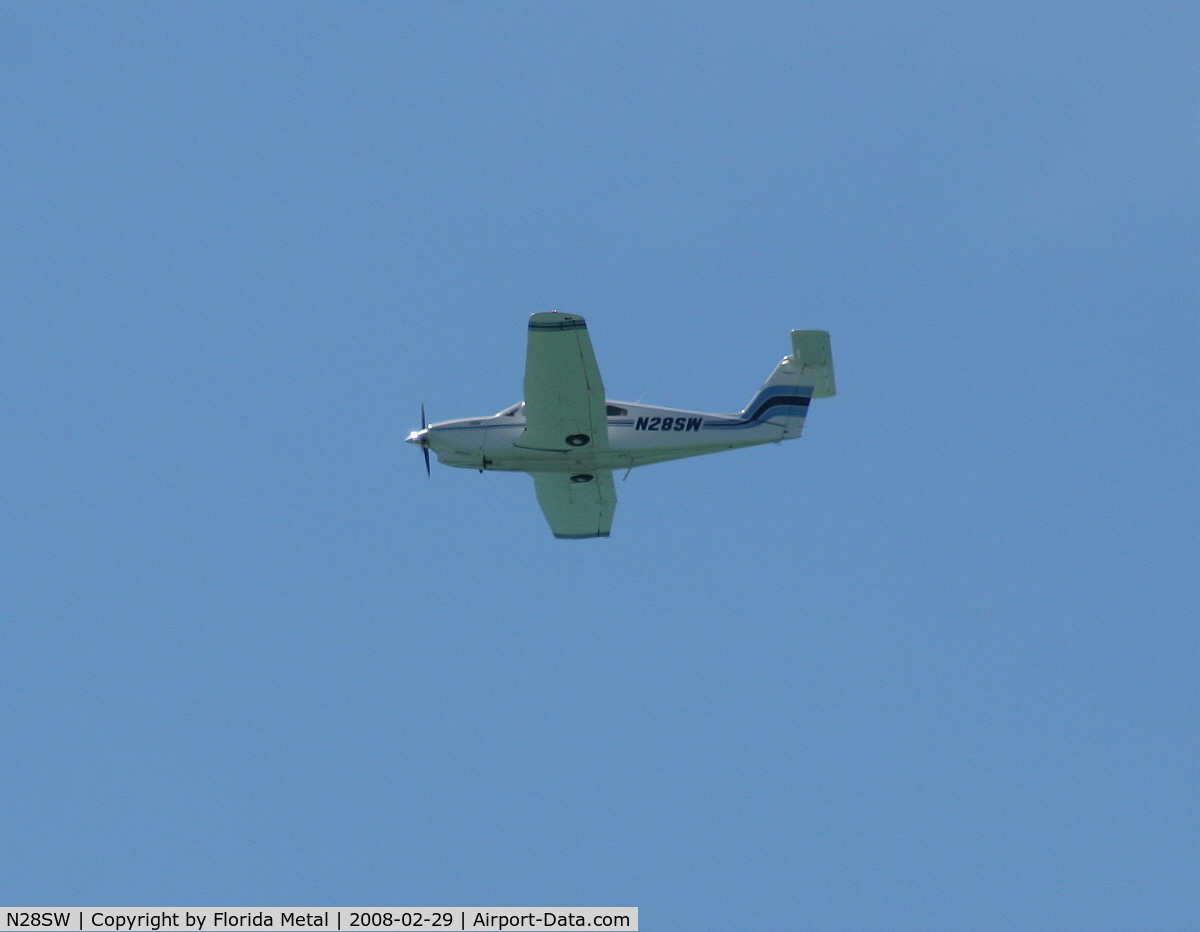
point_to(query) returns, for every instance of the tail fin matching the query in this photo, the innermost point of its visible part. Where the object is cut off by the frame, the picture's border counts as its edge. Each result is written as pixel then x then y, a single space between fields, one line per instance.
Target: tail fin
pixel 806 374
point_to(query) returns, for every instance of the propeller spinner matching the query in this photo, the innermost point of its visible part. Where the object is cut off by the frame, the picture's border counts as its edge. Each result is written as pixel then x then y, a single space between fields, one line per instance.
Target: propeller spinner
pixel 421 439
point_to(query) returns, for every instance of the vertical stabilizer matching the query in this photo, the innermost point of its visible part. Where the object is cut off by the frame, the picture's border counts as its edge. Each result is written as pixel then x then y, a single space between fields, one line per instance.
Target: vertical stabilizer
pixel 805 374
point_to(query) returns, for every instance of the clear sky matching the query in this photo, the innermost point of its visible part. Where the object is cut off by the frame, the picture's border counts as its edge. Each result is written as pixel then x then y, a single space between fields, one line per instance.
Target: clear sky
pixel 931 667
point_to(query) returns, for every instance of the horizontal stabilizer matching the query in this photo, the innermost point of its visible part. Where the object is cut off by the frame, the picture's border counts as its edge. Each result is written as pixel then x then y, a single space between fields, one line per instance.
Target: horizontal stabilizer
pixel 812 353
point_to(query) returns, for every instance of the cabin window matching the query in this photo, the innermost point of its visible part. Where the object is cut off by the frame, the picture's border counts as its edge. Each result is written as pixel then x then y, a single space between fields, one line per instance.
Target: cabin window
pixel 614 411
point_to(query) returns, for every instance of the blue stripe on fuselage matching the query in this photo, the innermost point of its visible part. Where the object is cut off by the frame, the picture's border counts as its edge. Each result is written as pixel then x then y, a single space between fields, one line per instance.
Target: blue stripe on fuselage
pixel 790 401
pixel 774 391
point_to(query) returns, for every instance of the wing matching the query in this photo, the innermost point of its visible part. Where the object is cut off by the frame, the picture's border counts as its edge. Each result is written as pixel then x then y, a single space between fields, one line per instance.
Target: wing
pixel 579 505
pixel 564 397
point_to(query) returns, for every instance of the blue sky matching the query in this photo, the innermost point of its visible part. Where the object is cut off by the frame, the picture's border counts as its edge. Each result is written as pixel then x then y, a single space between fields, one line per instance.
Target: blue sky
pixel 932 667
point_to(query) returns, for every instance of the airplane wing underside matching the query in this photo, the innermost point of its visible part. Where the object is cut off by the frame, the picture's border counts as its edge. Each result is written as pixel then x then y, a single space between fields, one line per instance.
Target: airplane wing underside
pixel 576 506
pixel 564 396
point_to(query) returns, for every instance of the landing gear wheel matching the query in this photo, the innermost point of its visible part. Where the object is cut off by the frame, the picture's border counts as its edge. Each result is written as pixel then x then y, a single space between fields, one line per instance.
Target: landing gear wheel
pixel 579 440
pixel 582 477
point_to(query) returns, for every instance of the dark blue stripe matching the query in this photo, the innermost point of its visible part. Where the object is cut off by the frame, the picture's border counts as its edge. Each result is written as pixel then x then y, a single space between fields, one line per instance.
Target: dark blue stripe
pixel 795 401
pixel 563 325
pixel 756 416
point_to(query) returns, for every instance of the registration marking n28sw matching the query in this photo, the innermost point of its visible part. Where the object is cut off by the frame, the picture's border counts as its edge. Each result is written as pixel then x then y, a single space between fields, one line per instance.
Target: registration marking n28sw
pixel 667 423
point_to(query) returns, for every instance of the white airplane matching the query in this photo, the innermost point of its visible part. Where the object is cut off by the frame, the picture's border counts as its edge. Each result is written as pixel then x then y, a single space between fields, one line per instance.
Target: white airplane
pixel 570 438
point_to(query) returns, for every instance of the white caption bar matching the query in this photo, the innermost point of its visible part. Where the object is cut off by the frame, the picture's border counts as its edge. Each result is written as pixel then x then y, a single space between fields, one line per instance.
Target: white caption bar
pixel 338 919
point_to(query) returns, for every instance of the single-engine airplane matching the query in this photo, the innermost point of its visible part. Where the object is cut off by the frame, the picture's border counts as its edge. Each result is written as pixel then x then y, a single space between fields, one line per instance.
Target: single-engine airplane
pixel 570 438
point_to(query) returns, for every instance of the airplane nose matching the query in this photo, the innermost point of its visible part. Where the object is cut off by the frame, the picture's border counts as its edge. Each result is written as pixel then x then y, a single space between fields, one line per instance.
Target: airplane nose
pixel 421 439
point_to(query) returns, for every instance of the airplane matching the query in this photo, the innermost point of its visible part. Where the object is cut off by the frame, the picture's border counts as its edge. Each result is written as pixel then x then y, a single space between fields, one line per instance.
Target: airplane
pixel 570 438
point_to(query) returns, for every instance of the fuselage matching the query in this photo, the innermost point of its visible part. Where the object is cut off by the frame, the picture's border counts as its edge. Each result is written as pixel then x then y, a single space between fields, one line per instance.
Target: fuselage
pixel 637 436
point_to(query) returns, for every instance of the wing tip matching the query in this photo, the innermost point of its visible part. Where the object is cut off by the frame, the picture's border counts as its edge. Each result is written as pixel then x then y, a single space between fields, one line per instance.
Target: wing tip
pixel 581 536
pixel 549 321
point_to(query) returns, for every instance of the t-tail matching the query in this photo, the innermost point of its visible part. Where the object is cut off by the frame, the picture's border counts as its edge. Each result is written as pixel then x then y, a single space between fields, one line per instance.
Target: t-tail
pixel 805 374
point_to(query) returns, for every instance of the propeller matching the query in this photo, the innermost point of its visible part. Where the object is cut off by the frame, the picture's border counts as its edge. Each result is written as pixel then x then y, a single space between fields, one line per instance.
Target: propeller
pixel 425 442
